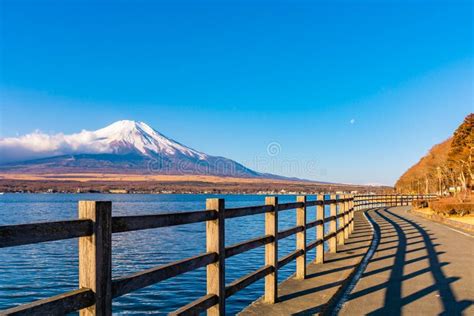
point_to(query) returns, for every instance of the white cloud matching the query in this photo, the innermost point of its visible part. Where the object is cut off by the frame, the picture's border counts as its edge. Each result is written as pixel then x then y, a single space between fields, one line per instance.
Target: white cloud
pixel 40 145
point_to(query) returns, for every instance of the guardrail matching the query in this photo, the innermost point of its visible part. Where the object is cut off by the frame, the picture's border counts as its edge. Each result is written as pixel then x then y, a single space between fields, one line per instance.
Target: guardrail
pixel 95 227
pixel 381 200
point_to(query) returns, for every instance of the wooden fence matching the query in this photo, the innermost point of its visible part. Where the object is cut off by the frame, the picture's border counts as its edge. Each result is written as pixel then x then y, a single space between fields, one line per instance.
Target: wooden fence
pixel 95 227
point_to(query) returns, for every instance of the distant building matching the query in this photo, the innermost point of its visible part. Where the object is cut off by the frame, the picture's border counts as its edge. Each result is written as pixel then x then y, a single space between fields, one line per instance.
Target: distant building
pixel 118 191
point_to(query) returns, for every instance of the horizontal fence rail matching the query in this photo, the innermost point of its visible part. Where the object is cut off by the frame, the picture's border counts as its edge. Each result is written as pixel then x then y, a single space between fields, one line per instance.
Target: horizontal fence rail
pixel 96 225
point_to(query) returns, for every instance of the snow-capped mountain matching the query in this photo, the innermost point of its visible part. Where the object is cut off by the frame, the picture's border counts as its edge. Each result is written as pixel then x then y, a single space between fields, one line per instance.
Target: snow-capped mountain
pixel 125 136
pixel 124 146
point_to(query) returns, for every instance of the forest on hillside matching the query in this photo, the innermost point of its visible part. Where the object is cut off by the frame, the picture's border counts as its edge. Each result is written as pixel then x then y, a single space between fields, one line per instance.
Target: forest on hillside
pixel 447 169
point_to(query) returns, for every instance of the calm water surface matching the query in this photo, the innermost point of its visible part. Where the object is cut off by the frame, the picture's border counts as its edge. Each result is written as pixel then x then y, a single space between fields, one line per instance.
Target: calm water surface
pixel 32 272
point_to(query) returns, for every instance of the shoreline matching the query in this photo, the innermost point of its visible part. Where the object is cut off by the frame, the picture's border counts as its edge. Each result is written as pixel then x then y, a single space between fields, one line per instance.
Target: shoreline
pixel 169 184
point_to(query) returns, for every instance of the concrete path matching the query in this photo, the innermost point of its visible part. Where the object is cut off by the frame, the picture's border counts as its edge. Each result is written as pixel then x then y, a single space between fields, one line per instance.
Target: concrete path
pixel 419 268
pixel 323 281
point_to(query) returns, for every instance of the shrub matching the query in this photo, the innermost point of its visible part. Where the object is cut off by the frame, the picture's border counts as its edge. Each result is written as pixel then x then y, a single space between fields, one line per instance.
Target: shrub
pixel 452 208
pixel 420 204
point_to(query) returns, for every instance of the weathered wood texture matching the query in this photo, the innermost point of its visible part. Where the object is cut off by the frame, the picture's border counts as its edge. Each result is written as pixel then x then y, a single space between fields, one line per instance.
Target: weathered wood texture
pixel 246 280
pixel 57 305
pixel 151 276
pixel 332 226
pixel 346 218
pixel 244 211
pixel 341 221
pixel 271 251
pixel 95 256
pixel 290 206
pixel 130 223
pixel 16 235
pixel 301 238
pixel 247 245
pixel 290 231
pixel 215 242
pixel 290 257
pixel 320 232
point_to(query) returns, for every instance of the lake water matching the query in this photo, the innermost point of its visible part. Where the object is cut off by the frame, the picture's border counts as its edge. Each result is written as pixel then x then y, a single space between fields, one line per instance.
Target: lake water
pixel 37 271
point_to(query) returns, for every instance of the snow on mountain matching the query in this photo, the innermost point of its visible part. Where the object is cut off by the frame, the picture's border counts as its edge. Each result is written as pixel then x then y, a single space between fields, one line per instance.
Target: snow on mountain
pixel 124 135
pixel 124 146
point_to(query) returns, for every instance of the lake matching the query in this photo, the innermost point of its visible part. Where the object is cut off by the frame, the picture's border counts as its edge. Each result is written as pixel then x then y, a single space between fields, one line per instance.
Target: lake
pixel 37 271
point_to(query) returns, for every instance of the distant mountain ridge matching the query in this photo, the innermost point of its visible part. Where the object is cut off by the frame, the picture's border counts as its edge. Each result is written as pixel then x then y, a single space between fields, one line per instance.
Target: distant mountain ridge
pixel 127 147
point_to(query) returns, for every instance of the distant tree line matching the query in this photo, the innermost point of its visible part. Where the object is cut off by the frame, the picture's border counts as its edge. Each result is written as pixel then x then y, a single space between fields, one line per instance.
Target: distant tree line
pixel 448 169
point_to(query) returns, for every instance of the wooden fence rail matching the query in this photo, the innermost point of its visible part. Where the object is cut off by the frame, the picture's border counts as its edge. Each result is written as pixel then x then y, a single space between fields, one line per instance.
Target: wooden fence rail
pixel 95 227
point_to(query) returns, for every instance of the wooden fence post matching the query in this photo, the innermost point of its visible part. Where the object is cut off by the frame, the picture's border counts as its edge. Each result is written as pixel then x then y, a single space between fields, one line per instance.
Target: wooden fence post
pixel 332 225
pixel 215 242
pixel 346 217
pixel 301 238
pixel 95 256
pixel 320 231
pixel 341 220
pixel 351 217
pixel 271 251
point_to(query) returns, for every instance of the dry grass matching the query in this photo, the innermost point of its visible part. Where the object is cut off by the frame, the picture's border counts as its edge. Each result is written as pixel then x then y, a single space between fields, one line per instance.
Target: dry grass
pixel 468 219
pixel 87 177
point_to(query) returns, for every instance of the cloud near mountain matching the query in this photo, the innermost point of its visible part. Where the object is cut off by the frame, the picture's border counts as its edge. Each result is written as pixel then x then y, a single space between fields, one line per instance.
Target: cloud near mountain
pixel 124 146
pixel 40 145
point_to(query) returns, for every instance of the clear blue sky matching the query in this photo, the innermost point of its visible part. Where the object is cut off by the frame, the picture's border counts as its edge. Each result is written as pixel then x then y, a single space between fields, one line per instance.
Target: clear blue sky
pixel 352 91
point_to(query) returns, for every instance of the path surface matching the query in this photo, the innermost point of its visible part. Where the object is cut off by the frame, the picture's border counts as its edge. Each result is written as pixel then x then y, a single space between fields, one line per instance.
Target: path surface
pixel 419 268
pixel 309 296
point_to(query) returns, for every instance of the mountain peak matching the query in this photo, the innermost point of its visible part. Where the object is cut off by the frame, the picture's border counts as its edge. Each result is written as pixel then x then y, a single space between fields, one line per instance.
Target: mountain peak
pixel 126 126
pixel 127 135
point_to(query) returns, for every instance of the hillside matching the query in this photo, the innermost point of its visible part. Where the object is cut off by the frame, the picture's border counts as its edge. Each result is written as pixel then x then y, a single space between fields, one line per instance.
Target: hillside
pixel 446 165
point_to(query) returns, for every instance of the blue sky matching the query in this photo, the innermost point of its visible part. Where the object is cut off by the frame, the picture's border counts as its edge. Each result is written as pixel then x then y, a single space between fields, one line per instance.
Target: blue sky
pixel 351 91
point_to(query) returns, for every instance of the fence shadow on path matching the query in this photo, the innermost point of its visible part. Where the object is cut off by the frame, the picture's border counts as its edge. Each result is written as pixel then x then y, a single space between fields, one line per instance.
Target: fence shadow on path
pixel 402 233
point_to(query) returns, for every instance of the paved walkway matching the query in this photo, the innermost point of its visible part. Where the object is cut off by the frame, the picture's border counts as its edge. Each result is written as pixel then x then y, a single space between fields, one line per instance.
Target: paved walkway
pixel 309 296
pixel 419 268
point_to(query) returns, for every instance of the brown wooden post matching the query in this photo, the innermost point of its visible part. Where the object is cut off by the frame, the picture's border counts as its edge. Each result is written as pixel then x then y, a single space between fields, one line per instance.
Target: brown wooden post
pixel 320 231
pixel 95 256
pixel 332 225
pixel 215 242
pixel 301 238
pixel 341 220
pixel 271 251
pixel 346 217
pixel 351 206
pixel 349 214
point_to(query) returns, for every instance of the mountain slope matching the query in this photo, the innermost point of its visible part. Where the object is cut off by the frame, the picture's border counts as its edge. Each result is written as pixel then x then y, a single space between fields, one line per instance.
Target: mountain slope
pixel 125 147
